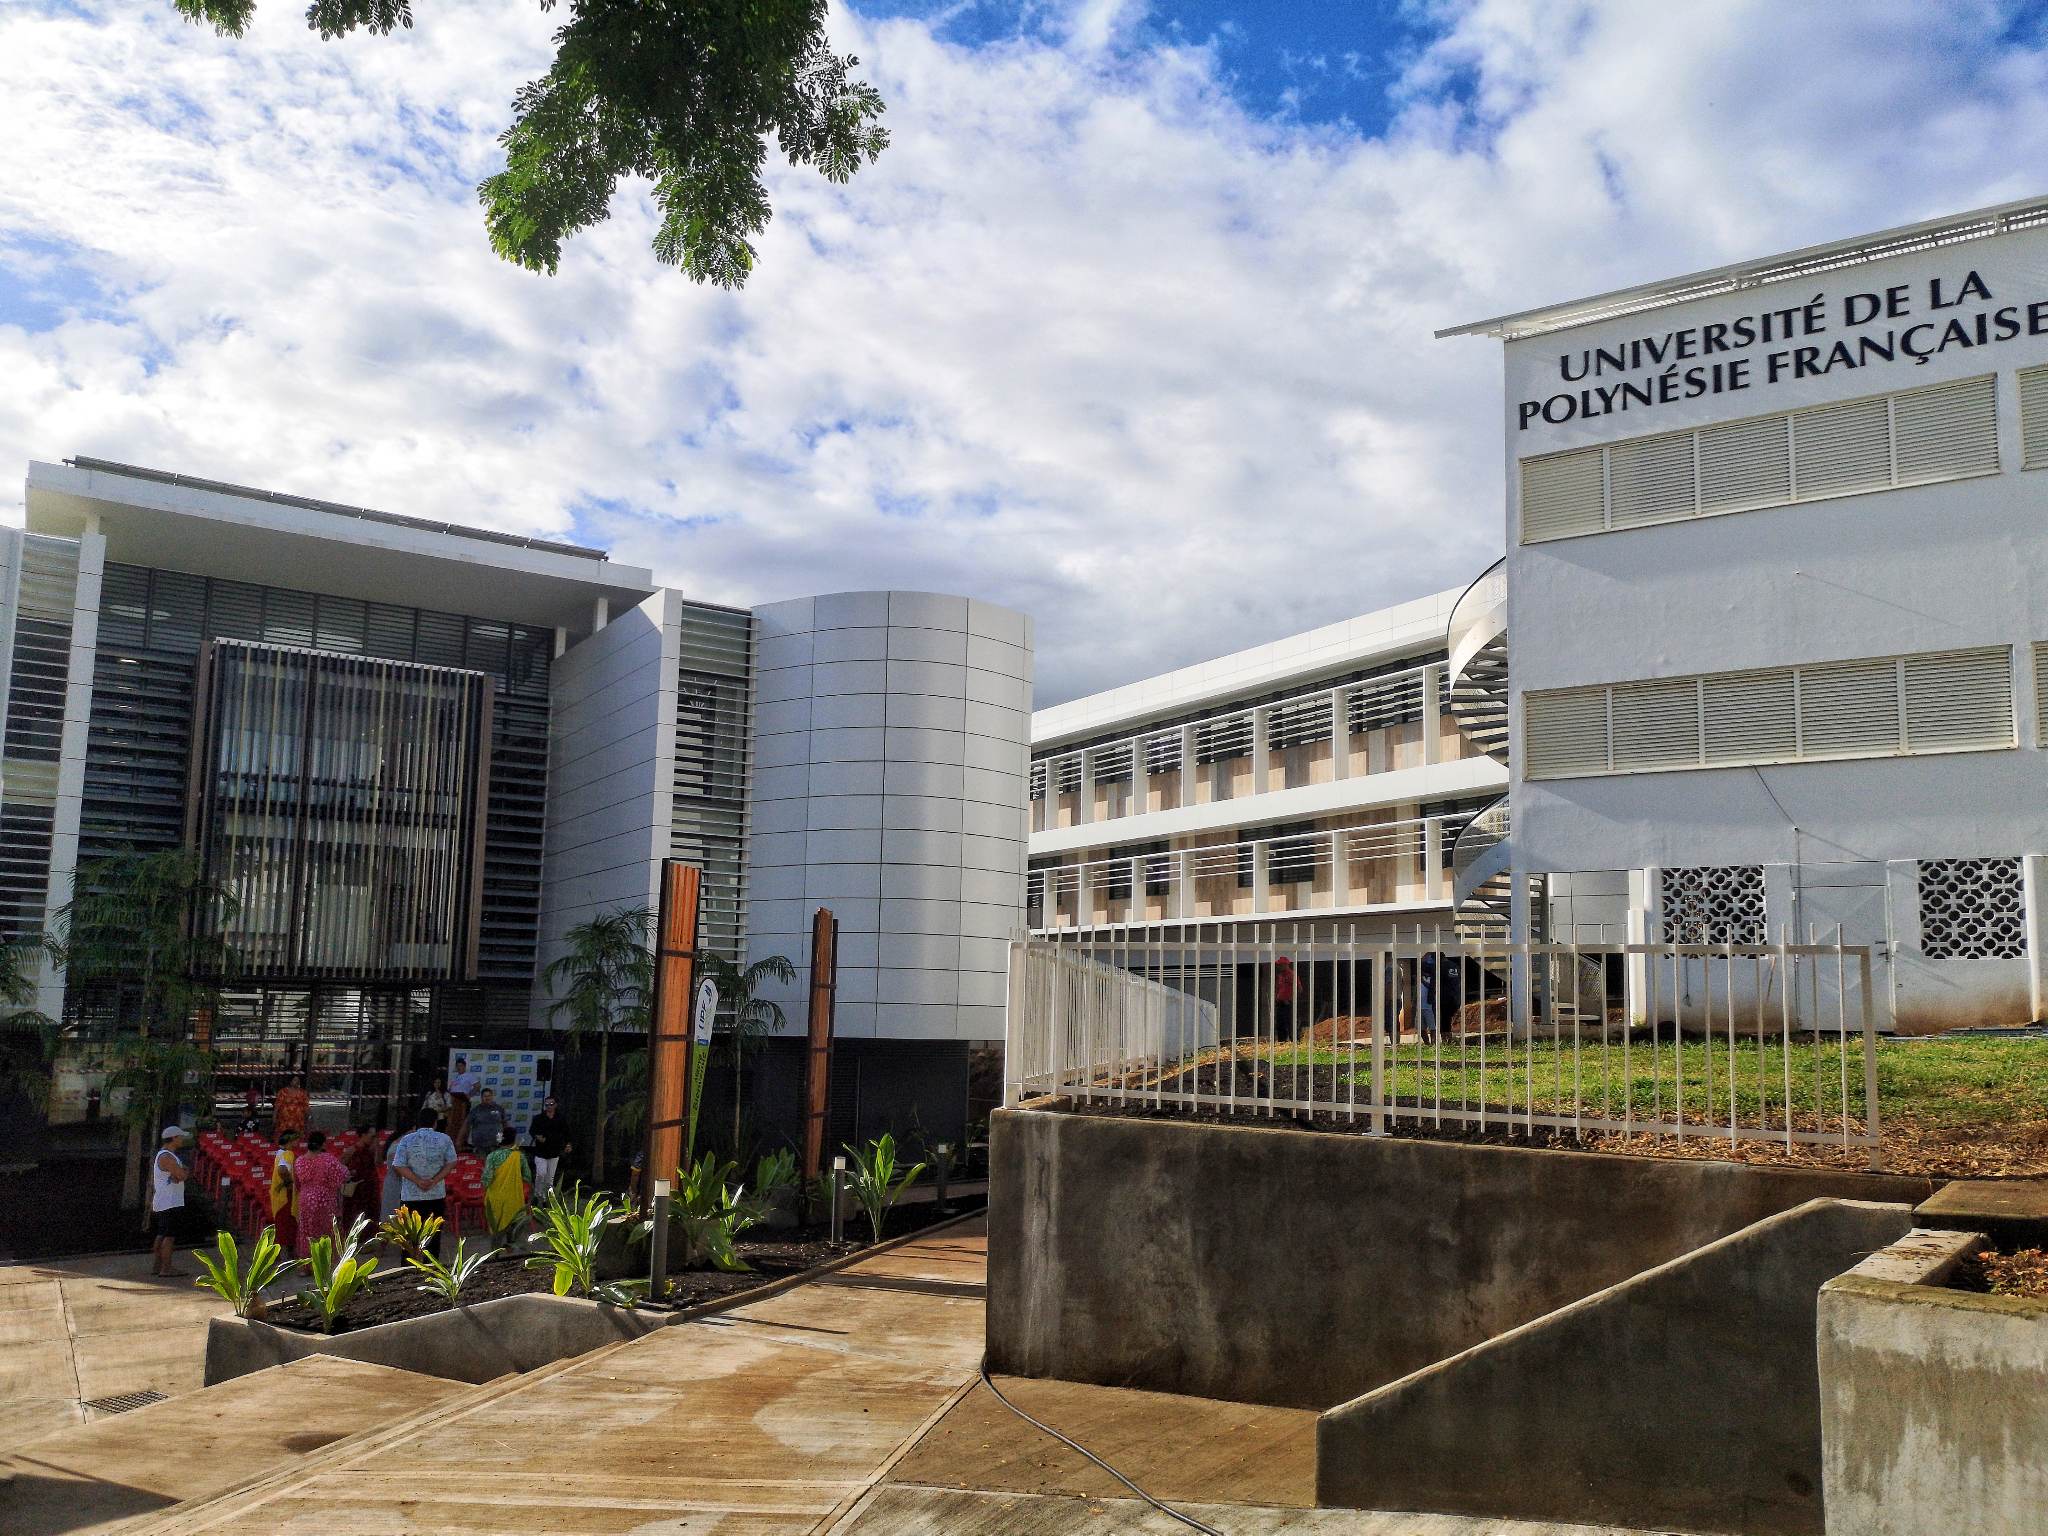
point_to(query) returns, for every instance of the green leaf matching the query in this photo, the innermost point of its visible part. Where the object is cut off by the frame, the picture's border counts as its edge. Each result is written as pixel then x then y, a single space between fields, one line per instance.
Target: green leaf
pixel 563 1279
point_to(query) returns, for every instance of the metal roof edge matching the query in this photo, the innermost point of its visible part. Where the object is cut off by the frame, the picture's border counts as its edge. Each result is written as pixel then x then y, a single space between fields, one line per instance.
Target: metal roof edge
pixel 1786 266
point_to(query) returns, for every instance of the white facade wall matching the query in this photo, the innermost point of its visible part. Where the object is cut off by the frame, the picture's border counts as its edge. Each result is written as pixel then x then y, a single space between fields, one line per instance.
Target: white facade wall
pixel 888 783
pixel 1938 567
pixel 611 761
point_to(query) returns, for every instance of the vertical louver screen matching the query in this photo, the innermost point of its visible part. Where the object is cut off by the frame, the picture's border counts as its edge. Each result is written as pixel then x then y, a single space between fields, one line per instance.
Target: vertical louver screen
pixel 1917 437
pixel 2041 692
pixel 2034 418
pixel 1944 701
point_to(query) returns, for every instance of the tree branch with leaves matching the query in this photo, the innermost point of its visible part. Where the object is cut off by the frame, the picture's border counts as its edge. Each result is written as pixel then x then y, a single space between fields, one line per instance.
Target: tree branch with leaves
pixel 683 93
pixel 603 981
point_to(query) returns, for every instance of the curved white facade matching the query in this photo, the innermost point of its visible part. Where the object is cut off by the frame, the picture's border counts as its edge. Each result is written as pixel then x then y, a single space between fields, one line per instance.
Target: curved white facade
pixel 891 745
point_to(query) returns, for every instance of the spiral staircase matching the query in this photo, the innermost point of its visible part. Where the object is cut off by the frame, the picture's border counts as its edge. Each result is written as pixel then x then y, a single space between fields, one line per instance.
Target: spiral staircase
pixel 1482 885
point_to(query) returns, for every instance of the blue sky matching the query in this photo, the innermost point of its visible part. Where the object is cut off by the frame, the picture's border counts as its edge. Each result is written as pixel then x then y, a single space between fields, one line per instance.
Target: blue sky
pixel 1131 327
pixel 1309 61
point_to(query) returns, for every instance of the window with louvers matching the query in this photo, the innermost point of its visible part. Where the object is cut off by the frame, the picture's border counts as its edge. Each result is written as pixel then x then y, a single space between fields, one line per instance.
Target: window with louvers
pixel 712 744
pixel 2034 418
pixel 1881 442
pixel 44 582
pixel 1886 706
pixel 2041 693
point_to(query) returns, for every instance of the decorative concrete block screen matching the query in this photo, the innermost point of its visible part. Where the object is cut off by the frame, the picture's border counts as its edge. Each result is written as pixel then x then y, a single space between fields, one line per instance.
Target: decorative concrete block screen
pixel 1972 909
pixel 1714 906
pixel 891 756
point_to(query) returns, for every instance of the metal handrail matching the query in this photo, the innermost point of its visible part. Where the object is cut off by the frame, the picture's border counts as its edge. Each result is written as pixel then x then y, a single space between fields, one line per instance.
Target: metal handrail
pixel 1479 614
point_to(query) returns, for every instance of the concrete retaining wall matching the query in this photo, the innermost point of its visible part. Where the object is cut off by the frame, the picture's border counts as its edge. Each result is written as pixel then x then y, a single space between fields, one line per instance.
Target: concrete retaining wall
pixel 1685 1397
pixel 1303 1269
pixel 1934 1402
pixel 474 1344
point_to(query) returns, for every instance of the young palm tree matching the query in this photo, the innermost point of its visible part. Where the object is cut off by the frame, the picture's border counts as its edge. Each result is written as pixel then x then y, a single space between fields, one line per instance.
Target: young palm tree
pixel 602 982
pixel 144 928
pixel 27 1037
pixel 752 1016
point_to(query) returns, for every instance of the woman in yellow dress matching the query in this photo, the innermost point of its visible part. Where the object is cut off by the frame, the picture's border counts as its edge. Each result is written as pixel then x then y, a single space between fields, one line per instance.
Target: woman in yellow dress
pixel 284 1194
pixel 506 1188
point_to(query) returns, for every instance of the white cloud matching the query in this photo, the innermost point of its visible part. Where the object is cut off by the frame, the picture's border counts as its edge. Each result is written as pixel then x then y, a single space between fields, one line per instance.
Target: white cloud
pixel 1089 339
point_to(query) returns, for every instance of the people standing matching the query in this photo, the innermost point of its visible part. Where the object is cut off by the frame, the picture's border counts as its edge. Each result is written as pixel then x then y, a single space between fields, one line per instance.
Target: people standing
pixel 319 1175
pixel 423 1157
pixel 1283 999
pixel 437 1096
pixel 359 1195
pixel 1426 972
pixel 549 1134
pixel 505 1187
pixel 486 1124
pixel 167 1176
pixel 462 1087
pixel 284 1192
pixel 288 1110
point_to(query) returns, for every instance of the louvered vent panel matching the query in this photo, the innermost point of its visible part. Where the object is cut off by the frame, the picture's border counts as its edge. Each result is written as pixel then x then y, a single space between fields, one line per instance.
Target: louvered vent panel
pixel 1066 775
pixel 1112 765
pixel 234 611
pixel 1947 431
pixel 1038 780
pixel 1750 717
pixel 1657 724
pixel 2034 418
pixel 1959 700
pixel 1162 752
pixel 1841 448
pixel 1566 732
pixel 1562 495
pixel 1745 464
pixel 2041 692
pixel 1849 709
pixel 1298 722
pixel 1650 480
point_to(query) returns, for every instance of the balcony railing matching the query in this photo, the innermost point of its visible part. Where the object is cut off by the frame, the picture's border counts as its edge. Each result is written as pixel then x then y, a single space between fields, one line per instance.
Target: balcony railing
pixel 1379 867
pixel 1163 758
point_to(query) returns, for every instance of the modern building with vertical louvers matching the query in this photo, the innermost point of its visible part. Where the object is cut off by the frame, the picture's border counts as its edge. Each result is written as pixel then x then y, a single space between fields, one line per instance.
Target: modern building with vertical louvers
pixel 1777 591
pixel 418 753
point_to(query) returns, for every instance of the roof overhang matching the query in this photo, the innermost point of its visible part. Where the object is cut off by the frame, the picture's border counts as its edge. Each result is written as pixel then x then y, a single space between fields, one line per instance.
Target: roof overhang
pixel 1788 266
pixel 242 535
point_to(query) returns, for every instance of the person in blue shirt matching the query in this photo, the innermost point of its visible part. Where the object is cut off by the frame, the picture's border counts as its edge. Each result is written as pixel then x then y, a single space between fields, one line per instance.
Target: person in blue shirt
pixel 422 1158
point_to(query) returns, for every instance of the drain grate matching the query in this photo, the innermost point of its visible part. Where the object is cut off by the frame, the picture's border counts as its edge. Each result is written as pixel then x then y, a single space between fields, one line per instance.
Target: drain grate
pixel 123 1402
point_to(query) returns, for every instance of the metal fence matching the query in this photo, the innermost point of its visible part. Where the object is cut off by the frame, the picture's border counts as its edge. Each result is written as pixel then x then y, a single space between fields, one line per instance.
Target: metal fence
pixel 1741 1043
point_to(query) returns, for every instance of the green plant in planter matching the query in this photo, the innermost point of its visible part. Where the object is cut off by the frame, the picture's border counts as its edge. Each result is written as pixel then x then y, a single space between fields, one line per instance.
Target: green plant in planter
pixel 571 1229
pixel 876 1185
pixel 447 1280
pixel 338 1273
pixel 242 1287
pixel 410 1233
pixel 775 1175
pixel 710 1213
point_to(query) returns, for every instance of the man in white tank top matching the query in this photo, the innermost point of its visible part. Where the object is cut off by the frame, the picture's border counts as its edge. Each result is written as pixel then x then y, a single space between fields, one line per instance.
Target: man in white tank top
pixel 167 1175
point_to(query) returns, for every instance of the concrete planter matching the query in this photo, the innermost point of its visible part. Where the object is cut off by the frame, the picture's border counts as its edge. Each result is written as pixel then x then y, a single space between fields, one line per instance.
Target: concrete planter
pixel 1934 1402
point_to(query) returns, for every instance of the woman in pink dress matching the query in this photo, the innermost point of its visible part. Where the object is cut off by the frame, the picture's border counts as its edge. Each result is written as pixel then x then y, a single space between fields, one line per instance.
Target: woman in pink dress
pixel 320 1176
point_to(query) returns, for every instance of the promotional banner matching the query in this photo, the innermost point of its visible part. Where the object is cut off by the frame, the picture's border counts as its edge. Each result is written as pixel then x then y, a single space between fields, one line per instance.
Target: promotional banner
pixel 517 1079
pixel 700 1058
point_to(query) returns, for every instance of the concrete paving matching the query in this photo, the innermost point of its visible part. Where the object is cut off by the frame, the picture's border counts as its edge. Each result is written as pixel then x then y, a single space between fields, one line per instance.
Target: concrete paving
pixel 851 1404
pixel 95 1478
pixel 78 1329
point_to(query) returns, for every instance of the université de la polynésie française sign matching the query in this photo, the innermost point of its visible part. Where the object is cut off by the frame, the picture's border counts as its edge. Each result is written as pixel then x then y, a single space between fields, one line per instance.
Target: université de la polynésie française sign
pixel 1910 323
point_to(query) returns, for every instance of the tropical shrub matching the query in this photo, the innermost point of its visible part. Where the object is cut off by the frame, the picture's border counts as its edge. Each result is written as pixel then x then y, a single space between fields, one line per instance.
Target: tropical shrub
pixel 338 1273
pixel 876 1184
pixel 447 1280
pixel 710 1213
pixel 411 1233
pixel 571 1230
pixel 775 1174
pixel 240 1286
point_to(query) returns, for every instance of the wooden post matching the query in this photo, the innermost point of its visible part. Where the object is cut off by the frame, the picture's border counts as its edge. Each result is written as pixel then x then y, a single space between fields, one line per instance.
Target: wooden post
pixel 818 1055
pixel 668 1028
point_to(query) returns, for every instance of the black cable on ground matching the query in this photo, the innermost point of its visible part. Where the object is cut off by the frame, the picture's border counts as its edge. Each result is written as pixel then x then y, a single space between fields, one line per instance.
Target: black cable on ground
pixel 1167 1510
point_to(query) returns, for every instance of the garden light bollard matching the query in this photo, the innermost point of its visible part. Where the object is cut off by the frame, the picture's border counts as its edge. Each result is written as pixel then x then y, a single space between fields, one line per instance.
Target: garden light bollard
pixel 838 1200
pixel 657 1262
pixel 943 1155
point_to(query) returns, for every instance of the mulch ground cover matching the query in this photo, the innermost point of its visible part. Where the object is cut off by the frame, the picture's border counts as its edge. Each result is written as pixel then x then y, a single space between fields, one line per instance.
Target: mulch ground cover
pixel 393 1297
pixel 2021 1273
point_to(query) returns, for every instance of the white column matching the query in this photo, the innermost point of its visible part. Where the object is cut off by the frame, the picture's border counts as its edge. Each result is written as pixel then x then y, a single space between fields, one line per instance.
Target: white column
pixel 1261 748
pixel 1340 735
pixel 1644 887
pixel 1262 875
pixel 1086 812
pixel 561 641
pixel 1340 870
pixel 1135 908
pixel 1432 713
pixel 1187 766
pixel 2034 891
pixel 1183 886
pixel 1433 859
pixel 600 613
pixel 1519 928
pixel 78 688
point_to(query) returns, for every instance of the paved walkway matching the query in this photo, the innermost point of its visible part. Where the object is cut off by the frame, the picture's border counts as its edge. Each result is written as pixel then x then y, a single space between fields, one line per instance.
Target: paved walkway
pixel 75 1330
pixel 849 1405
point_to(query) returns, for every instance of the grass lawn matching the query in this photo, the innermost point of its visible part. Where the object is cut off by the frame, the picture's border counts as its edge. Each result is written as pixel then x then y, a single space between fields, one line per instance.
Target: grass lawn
pixel 1964 1105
